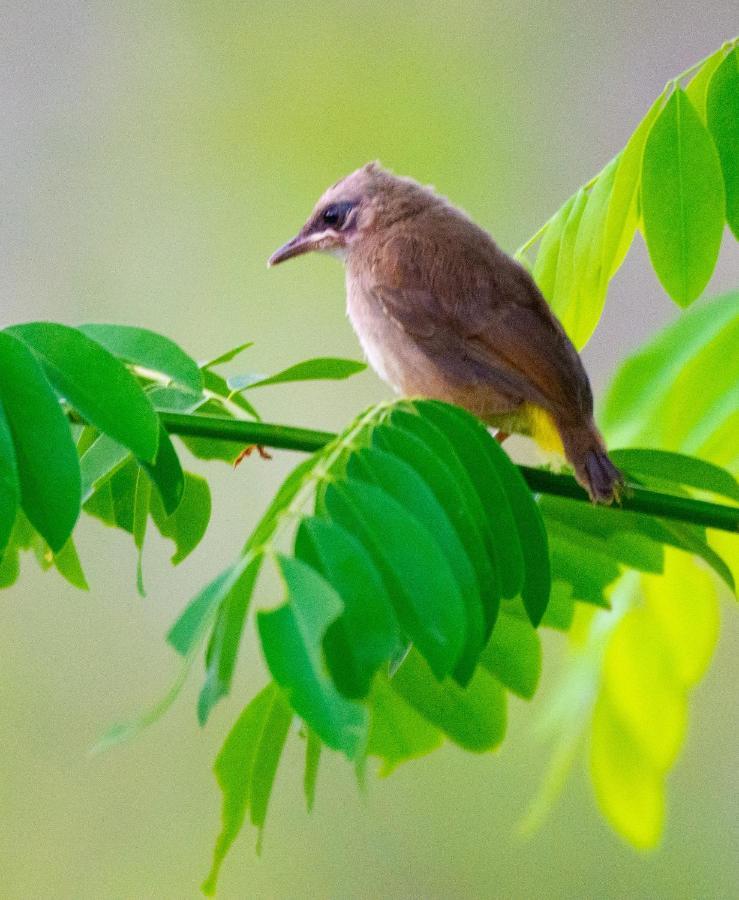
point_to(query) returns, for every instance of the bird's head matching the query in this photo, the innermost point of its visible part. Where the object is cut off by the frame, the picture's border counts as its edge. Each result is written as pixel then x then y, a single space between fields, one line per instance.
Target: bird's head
pixel 350 210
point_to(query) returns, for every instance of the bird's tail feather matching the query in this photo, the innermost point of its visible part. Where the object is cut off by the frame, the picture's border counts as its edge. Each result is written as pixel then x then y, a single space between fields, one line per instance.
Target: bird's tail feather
pixel 585 450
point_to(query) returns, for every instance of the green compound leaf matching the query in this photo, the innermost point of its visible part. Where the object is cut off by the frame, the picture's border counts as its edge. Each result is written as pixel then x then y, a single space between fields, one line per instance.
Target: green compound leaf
pixel 292 637
pixel 246 768
pixel 682 200
pixel 96 384
pixel 723 123
pixel 141 347
pixel 46 457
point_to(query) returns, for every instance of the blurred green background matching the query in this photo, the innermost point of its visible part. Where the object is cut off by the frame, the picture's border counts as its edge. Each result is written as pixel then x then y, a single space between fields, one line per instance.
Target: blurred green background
pixel 152 155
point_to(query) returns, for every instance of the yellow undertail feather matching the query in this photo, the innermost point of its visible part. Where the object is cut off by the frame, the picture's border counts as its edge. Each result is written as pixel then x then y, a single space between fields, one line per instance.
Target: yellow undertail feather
pixel 543 430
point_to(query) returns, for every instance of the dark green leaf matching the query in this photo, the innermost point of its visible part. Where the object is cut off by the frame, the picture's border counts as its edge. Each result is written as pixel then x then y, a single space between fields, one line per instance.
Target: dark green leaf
pixel 96 384
pixel 468 438
pixel 723 123
pixel 10 488
pixel 99 463
pixel 246 768
pixel 142 496
pixel 397 732
pixel 663 466
pixel 68 564
pixel 46 457
pixel 142 347
pixel 322 368
pixel 682 200
pixel 366 633
pixel 416 573
pixel 227 356
pixel 423 446
pixel 513 655
pixel 223 647
pixel 589 574
pixel 188 524
pixel 312 759
pixel 166 473
pixel 292 637
pixel 473 717
pixel 401 481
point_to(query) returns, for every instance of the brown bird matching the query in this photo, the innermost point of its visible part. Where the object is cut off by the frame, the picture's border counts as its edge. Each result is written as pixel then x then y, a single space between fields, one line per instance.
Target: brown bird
pixel 441 311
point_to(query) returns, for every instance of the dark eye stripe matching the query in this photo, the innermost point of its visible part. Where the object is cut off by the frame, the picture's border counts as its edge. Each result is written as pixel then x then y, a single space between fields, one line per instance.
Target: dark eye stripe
pixel 335 215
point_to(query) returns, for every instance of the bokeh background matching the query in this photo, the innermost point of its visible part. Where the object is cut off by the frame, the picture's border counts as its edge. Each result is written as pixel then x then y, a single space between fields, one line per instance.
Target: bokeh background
pixel 152 155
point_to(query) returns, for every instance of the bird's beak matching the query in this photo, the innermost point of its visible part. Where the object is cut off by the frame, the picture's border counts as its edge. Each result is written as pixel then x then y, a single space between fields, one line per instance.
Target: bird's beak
pixel 301 243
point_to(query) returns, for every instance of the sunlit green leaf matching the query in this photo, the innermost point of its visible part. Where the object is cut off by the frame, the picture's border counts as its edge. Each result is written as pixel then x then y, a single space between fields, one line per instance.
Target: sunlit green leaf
pixel 564 292
pixel 68 564
pixel 95 383
pixel 292 638
pixel 697 87
pixel 723 123
pixel 227 356
pixel 633 407
pixel 246 768
pixel 682 200
pixel 142 347
pixel 46 457
pixel 623 212
pixel 547 256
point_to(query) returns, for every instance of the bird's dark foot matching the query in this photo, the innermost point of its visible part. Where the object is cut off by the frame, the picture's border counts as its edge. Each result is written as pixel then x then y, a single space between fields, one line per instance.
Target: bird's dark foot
pixel 247 451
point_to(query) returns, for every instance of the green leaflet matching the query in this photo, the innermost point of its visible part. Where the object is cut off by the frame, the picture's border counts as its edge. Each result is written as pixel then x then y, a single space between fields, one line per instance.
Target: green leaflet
pixel 697 87
pixel 292 638
pixel 661 467
pixel 186 526
pixel 474 716
pixel 632 411
pixel 46 458
pixel 723 122
pixel 246 768
pixel 142 347
pixel 513 655
pixel 312 759
pixel 398 732
pixel 166 473
pixel 226 357
pixel 366 634
pixel 94 383
pixel 10 488
pixel 416 573
pixel 564 292
pixel 656 653
pixel 404 484
pixel 319 369
pixel 547 257
pixel 682 200
pixel 623 212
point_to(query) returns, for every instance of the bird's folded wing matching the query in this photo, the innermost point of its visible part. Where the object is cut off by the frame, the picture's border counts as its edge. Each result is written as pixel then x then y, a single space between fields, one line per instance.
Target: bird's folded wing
pixel 517 349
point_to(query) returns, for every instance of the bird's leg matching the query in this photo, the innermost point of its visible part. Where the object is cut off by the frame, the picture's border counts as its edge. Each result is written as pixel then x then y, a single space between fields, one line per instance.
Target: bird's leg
pixel 500 436
pixel 247 451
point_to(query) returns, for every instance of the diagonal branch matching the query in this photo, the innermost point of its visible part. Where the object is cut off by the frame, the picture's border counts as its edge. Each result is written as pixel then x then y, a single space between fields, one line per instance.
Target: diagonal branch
pixel 285 437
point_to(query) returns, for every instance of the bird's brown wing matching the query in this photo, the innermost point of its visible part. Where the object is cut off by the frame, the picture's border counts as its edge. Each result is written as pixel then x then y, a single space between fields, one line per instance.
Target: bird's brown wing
pixel 500 334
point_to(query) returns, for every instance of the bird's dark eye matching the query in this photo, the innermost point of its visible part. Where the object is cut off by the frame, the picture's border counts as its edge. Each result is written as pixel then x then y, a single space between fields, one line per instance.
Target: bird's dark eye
pixel 335 215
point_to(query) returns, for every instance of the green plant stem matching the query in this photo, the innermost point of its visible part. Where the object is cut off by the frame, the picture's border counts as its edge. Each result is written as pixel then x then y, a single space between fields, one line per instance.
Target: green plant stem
pixel 285 437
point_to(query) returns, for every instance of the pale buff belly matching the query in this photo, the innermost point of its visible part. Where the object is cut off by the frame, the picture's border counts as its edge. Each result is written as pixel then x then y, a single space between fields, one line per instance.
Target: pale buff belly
pixel 398 360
